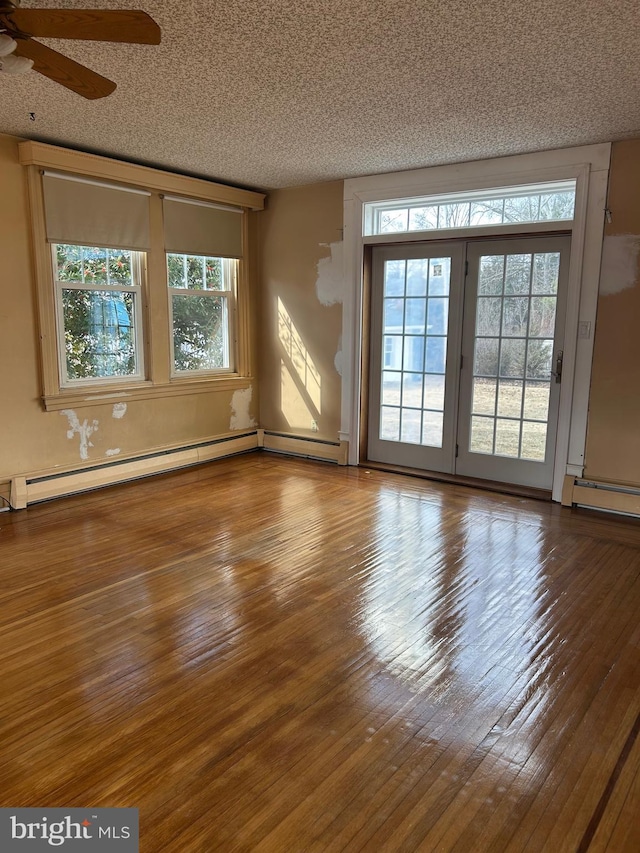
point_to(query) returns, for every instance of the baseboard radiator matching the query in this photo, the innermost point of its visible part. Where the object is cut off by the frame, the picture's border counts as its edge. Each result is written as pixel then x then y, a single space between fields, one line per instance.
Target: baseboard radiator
pixel 28 489
pixel 310 448
pixel 597 495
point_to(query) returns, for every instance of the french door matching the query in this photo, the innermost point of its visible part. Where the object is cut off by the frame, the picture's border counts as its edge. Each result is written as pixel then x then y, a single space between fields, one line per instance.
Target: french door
pixel 466 357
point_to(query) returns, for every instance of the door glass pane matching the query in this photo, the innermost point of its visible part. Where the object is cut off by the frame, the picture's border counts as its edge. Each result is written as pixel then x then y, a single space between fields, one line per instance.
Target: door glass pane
pixel 518 274
pixel 434 392
pixel 411 423
pixel 536 400
pixel 515 316
pixel 415 315
pixel 507 437
pixel 482 430
pixel 546 269
pixel 543 316
pixel 414 340
pixel 436 355
pixel 392 354
pixel 510 399
pixel 439 276
pixel 432 429
pixel 389 423
pixel 393 315
pixel 512 354
pixel 487 353
pixel 489 314
pixel 534 439
pixel 417 277
pixel 412 390
pixel 413 356
pixel 394 278
pixel 390 388
pixel 437 316
pixel 539 357
pixel 484 397
pixel 514 333
pixel 490 275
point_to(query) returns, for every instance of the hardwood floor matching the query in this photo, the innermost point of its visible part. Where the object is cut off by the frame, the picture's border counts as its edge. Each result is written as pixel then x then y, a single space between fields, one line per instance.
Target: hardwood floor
pixel 274 655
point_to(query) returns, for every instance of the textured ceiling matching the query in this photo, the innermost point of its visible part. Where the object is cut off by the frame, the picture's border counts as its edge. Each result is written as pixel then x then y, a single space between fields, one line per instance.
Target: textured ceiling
pixel 273 93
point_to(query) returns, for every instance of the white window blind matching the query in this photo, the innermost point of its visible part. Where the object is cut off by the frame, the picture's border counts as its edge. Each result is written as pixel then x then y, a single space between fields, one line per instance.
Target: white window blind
pixel 197 228
pixel 89 213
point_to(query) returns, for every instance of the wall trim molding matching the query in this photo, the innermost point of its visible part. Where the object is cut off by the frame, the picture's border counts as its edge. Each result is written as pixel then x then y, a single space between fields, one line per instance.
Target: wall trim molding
pixel 101 395
pixel 47 156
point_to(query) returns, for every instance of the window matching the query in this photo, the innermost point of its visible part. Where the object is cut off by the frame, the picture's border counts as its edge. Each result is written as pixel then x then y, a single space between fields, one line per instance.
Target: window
pixel 553 201
pixel 139 292
pixel 98 307
pixel 202 292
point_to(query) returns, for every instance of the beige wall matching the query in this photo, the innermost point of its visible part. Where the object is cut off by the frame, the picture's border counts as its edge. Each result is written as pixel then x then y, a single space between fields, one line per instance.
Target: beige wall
pixel 33 440
pixel 301 310
pixel 613 441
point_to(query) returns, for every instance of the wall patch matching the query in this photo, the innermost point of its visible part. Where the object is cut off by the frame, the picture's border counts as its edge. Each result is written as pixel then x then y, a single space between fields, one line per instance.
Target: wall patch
pixel 119 410
pixel 619 269
pixel 84 430
pixel 240 417
pixel 337 361
pixel 330 279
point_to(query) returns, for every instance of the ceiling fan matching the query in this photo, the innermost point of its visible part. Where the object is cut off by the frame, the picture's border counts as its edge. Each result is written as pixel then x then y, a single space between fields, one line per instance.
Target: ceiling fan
pixel 19 51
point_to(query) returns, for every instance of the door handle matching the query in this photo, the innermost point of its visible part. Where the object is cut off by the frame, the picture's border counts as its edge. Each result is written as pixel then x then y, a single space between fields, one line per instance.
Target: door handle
pixel 558 371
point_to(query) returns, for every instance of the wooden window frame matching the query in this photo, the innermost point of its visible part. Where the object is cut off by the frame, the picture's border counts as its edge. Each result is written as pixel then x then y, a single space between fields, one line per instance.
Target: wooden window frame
pixel 229 295
pixel 159 380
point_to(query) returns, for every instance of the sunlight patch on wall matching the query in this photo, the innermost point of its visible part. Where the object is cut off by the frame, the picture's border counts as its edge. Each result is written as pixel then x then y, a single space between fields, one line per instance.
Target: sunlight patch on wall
pixel 301 366
pixel 296 411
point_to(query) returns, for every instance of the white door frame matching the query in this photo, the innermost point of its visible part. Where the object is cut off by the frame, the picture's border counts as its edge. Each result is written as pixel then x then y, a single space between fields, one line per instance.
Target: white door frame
pixel 589 165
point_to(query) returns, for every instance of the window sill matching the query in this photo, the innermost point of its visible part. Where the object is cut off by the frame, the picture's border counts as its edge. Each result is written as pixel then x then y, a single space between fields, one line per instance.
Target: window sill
pixel 71 398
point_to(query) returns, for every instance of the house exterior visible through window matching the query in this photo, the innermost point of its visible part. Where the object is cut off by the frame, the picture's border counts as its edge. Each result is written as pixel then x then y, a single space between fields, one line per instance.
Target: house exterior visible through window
pixel 98 308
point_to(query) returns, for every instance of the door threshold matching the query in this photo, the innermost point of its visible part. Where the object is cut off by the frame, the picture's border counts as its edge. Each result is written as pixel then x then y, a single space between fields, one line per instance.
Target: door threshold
pixel 459 480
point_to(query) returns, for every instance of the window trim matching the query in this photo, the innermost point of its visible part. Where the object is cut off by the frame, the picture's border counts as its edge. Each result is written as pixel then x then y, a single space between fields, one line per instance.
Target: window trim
pixel 159 383
pixel 373 210
pixel 230 311
pixel 137 288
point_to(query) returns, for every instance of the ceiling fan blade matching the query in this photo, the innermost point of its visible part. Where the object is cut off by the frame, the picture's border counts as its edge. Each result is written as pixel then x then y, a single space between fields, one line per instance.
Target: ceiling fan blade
pixel 65 71
pixel 90 24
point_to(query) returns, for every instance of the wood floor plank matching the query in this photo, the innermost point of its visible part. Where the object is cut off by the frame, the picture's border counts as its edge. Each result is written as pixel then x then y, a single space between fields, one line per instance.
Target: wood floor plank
pixel 274 655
